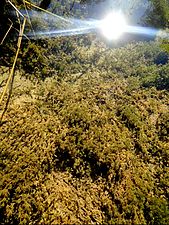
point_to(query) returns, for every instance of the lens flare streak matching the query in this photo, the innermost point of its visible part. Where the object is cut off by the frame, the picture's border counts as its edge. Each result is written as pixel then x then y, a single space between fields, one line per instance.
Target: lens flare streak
pixel 66 32
pixel 148 31
pixel 77 26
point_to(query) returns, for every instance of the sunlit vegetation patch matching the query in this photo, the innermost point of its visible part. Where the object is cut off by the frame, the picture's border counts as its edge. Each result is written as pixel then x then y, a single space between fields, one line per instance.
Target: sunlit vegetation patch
pixel 85 138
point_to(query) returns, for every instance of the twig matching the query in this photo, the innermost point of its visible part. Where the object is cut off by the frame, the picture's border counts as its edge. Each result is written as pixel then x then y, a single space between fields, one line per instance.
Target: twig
pixel 19 21
pixel 72 5
pixel 1 84
pixel 29 20
pixel 15 8
pixel 46 11
pixel 24 35
pixel 6 33
pixel 11 75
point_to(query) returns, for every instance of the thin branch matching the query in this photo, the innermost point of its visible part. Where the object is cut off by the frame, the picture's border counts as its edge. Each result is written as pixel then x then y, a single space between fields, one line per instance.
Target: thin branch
pixel 29 19
pixel 6 33
pixel 15 8
pixel 11 75
pixel 2 83
pixel 72 5
pixel 19 21
pixel 46 11
pixel 24 35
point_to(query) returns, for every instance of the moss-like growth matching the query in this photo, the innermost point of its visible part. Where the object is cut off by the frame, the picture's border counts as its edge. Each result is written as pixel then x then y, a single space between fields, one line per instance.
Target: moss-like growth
pixel 90 143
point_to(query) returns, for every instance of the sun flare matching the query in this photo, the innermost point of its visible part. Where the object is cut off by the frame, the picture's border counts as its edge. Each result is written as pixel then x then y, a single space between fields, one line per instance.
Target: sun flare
pixel 113 25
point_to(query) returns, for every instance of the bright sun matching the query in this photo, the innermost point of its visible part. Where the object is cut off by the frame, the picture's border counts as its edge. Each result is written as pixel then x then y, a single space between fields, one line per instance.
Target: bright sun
pixel 113 25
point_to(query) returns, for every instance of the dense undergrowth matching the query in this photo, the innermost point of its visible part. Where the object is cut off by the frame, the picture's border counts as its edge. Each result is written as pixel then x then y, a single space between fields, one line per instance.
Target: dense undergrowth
pixel 85 137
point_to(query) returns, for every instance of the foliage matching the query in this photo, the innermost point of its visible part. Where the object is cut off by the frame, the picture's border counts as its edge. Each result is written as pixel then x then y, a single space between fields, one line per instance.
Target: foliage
pixel 88 143
pixel 158 14
pixel 85 137
pixel 165 45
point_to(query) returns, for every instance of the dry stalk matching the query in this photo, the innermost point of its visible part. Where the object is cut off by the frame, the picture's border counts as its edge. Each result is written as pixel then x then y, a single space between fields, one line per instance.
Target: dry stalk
pixel 46 11
pixel 29 20
pixel 6 33
pixel 15 8
pixel 24 35
pixel 19 21
pixel 11 75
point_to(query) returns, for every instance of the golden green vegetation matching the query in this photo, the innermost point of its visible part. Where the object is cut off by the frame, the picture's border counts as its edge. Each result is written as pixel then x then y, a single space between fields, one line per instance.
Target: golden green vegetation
pixel 85 137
